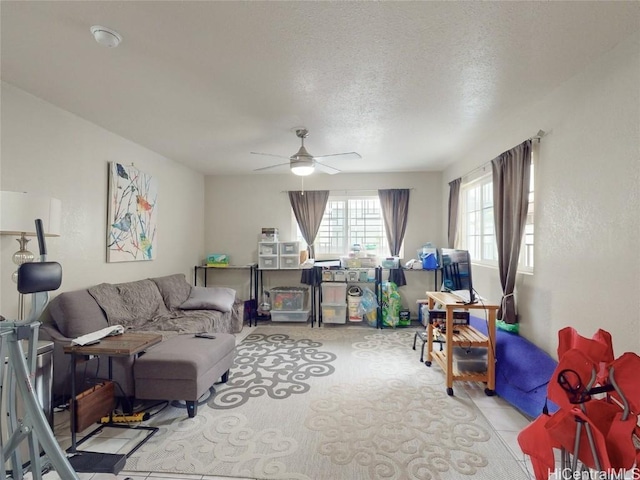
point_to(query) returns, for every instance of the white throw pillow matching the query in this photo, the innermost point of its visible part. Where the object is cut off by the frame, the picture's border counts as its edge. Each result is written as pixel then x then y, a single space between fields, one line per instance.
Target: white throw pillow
pixel 210 298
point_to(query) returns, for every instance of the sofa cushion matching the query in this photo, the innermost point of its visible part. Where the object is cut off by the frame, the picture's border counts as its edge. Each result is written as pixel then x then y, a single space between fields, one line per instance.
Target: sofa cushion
pixel 129 304
pixel 210 298
pixel 76 313
pixel 174 289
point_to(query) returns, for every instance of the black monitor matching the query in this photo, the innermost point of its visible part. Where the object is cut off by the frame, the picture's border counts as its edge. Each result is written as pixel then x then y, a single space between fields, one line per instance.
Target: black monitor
pixel 456 273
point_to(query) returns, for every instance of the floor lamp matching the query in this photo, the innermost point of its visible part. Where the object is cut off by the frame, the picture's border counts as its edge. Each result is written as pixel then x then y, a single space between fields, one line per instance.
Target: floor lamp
pixel 18 213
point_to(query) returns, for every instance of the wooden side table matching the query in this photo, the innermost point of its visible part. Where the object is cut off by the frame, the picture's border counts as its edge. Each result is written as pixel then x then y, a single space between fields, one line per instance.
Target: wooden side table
pixel 464 336
pixel 125 345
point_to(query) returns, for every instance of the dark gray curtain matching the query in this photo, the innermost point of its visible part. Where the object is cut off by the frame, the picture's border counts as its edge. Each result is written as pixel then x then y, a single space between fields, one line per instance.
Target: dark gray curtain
pixel 511 172
pixel 395 210
pixel 308 207
pixel 454 201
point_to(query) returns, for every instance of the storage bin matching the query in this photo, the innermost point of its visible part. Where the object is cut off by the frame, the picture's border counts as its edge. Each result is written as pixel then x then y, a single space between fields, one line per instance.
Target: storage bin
pixel 268 248
pixel 268 262
pixel 334 293
pixel 289 248
pixel 350 262
pixel 289 261
pixel 289 316
pixel 390 262
pixel 339 276
pixel 353 276
pixel 369 262
pixel 470 359
pixel 288 298
pixel 334 314
pixel 269 234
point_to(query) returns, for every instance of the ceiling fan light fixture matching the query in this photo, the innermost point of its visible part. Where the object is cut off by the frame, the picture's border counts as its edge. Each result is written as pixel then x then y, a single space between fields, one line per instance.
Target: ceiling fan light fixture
pixel 303 167
pixel 105 36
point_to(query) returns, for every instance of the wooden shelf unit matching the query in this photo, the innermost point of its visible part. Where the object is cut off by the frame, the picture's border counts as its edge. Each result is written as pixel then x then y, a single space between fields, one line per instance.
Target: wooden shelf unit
pixel 465 336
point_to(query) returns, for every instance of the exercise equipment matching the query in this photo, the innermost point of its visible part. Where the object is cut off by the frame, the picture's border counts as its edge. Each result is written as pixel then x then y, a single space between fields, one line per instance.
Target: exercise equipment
pixel 36 279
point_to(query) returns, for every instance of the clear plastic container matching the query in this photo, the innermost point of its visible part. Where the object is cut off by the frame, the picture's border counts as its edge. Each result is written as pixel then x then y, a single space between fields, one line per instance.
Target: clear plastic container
pixel 289 316
pixel 334 314
pixel 288 298
pixel 334 293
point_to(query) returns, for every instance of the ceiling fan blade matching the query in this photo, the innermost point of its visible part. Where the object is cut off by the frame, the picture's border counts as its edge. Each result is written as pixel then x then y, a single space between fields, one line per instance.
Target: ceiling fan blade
pixel 347 155
pixel 326 168
pixel 270 155
pixel 271 166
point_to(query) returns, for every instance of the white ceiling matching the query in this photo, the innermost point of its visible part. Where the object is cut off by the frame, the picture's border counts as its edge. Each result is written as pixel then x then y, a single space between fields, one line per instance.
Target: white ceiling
pixel 409 85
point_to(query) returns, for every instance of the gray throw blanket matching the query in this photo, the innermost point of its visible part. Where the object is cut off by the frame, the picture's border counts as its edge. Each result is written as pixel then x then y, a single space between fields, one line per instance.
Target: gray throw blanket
pixel 139 306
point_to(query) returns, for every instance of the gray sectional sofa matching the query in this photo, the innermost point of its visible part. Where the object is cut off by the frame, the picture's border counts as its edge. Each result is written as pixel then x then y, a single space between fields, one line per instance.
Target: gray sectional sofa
pixel 167 305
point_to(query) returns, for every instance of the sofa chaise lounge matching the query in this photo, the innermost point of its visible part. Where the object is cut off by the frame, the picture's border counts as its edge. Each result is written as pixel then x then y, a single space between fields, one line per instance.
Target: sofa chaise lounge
pixel 166 305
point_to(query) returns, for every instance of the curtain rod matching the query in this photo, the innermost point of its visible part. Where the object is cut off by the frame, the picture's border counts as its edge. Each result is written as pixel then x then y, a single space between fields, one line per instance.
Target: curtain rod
pixel 344 192
pixel 483 167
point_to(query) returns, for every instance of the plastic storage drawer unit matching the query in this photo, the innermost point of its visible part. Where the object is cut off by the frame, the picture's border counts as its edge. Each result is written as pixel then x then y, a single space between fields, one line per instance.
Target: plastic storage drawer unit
pixel 268 248
pixel 268 262
pixel 289 248
pixel 289 316
pixel 289 261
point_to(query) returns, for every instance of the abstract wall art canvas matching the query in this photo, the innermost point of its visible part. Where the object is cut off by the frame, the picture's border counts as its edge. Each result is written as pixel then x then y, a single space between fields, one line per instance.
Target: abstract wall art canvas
pixel 132 216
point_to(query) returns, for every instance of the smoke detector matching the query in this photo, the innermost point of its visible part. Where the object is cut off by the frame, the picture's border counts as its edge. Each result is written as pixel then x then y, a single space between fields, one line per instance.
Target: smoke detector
pixel 105 36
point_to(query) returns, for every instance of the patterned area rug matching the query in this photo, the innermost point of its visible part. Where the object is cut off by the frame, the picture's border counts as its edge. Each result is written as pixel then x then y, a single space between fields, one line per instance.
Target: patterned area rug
pixel 331 403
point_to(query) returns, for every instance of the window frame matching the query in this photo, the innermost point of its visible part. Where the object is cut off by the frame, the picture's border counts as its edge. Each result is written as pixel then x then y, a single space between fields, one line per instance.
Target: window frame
pixel 381 252
pixel 482 184
pixel 526 261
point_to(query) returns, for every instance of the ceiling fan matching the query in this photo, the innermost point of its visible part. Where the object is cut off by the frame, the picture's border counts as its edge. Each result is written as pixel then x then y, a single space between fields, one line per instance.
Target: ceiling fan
pixel 302 162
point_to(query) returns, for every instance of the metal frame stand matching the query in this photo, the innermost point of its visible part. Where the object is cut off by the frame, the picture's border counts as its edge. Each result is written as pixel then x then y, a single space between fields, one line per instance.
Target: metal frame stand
pixel 34 427
pixel 37 279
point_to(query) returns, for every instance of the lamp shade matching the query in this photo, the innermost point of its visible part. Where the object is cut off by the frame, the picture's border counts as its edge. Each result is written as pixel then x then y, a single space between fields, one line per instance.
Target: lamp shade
pixel 19 211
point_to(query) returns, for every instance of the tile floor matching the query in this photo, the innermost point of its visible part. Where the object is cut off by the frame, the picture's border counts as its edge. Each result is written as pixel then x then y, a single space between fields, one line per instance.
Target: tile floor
pixel 506 421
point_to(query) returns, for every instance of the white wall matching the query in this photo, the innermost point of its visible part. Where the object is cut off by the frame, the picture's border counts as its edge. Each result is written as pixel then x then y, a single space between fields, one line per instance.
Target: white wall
pixel 587 210
pixel 52 152
pixel 237 207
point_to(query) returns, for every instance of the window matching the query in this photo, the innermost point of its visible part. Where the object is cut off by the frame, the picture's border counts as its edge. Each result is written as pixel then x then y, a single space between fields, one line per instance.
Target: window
pixel 477 223
pixel 348 221
pixel 526 251
pixel 478 233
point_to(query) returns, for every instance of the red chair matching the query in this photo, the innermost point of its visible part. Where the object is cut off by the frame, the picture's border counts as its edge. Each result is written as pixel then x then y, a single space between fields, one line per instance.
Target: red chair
pixel 599 401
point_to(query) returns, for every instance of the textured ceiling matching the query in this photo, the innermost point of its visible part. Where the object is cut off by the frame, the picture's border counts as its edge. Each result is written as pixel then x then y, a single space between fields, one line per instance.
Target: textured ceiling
pixel 409 85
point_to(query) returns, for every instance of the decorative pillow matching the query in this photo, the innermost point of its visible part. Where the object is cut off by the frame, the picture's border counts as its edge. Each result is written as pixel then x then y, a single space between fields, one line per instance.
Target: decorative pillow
pixel 174 289
pixel 210 298
pixel 76 313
